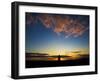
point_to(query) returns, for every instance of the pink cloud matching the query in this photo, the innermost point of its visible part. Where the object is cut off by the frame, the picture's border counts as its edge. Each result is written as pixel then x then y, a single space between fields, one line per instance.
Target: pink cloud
pixel 29 19
pixel 46 20
pixel 59 25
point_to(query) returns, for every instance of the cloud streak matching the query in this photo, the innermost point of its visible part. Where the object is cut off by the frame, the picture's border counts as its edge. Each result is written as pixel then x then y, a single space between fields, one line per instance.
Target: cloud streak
pixel 66 25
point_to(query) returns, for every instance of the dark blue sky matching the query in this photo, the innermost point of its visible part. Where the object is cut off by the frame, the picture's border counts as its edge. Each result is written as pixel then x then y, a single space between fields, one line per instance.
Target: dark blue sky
pixel 41 39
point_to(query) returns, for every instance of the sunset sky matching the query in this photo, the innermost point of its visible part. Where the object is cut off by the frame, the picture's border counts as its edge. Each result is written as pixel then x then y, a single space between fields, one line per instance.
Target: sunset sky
pixel 56 34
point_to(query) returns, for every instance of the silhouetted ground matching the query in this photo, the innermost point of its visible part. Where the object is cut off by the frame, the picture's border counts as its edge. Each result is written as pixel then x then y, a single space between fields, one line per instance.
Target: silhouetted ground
pixel 78 62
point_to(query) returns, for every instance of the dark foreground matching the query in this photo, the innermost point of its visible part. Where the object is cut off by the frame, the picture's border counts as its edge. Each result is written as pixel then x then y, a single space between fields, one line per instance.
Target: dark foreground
pixel 78 62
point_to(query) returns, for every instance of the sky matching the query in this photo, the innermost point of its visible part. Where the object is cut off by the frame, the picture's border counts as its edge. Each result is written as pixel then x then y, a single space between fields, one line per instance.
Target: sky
pixel 57 33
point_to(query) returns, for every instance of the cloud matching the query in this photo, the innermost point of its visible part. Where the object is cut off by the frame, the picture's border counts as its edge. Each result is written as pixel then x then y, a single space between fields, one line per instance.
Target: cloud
pixel 30 19
pixel 66 25
pixel 46 20
pixel 69 27
pixel 61 24
pixel 76 51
